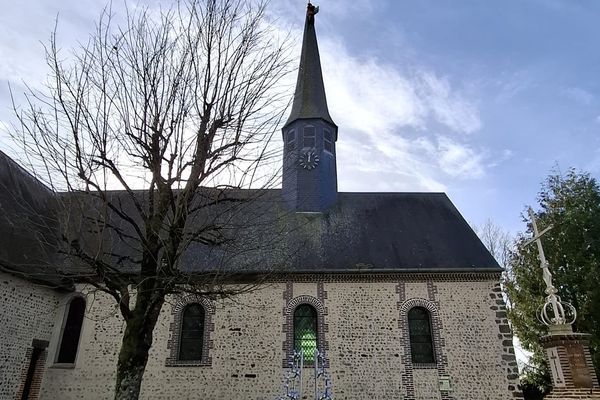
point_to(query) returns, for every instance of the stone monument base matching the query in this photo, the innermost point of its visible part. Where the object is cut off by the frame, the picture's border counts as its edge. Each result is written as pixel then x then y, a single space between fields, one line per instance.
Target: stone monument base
pixel 570 361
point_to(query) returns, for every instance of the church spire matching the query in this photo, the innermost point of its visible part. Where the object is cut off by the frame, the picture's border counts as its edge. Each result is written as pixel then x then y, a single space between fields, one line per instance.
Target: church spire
pixel 309 97
pixel 309 182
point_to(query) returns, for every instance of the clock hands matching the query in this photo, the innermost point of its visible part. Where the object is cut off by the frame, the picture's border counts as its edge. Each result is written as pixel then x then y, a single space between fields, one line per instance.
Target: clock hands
pixel 309 160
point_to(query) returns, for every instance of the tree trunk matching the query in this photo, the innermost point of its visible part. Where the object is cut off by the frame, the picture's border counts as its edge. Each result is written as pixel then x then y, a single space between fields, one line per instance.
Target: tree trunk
pixel 133 355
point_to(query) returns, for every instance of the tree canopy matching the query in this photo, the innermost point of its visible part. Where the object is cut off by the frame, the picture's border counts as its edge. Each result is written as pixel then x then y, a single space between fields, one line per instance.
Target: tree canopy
pixel 570 203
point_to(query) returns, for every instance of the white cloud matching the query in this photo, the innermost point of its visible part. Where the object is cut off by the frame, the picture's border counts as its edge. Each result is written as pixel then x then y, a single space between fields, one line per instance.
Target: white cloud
pixel 25 31
pixel 458 160
pixel 388 164
pixel 448 107
pixel 578 95
pixel 387 119
pixel 373 95
pixel 497 159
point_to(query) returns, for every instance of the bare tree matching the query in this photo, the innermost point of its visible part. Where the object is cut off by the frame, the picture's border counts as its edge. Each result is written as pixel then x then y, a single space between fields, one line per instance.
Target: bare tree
pixel 498 241
pixel 158 109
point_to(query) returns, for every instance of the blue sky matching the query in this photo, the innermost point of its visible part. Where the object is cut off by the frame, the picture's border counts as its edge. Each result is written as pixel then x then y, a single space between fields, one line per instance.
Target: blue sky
pixel 478 99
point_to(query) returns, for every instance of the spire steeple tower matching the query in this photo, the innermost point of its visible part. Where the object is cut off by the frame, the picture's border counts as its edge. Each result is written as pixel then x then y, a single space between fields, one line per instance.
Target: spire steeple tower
pixel 309 163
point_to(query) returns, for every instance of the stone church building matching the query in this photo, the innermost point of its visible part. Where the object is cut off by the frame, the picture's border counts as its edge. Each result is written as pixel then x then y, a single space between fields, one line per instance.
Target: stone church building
pixel 395 288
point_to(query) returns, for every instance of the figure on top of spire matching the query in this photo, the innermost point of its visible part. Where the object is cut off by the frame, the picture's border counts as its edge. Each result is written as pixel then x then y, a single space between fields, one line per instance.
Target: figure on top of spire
pixel 311 11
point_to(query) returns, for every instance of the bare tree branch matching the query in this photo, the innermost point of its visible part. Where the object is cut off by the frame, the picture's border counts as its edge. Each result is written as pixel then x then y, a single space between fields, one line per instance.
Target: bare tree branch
pixel 130 129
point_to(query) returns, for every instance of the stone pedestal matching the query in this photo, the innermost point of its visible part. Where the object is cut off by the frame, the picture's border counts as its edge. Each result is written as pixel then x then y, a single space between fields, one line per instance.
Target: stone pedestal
pixel 570 361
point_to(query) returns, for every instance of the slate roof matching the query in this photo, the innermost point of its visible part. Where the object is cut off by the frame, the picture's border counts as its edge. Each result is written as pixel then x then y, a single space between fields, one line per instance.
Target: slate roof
pixel 27 224
pixel 362 232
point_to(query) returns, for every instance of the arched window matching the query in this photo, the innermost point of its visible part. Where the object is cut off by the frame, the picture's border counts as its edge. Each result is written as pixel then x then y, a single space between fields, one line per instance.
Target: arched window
pixel 189 343
pixel 305 331
pixel 421 341
pixel 191 340
pixel 69 341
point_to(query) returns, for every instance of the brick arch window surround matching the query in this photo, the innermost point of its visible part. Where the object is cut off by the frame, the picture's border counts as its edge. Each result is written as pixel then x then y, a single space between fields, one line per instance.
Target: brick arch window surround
pixel 71 331
pixel 419 319
pixel 304 328
pixel 189 343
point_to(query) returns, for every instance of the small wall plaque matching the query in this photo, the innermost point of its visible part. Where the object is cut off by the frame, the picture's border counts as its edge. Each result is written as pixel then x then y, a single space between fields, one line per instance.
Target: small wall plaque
pixel 445 383
pixel 579 368
pixel 557 373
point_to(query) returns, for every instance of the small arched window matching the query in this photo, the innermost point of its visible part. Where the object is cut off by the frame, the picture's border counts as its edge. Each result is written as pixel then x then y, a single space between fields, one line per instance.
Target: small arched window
pixel 192 332
pixel 305 331
pixel 421 340
pixel 69 341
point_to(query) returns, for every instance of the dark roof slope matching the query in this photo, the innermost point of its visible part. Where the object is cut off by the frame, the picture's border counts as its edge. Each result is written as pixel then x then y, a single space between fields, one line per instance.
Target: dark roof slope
pixel 361 232
pixel 27 224
pixel 376 232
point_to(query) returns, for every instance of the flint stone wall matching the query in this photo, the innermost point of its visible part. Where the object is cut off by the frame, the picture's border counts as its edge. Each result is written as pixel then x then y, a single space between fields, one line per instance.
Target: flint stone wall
pixel 28 312
pixel 366 347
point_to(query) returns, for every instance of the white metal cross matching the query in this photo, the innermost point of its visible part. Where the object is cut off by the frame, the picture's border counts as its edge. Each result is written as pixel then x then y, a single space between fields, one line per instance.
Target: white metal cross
pixel 537 238
pixel 558 312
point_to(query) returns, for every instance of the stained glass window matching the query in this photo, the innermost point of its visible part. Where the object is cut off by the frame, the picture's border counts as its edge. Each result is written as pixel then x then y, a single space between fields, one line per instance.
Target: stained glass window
pixel 305 331
pixel 192 332
pixel 421 343
pixel 69 341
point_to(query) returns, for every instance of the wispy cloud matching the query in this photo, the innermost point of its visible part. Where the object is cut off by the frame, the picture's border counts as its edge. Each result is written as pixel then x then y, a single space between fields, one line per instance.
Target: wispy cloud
pixel 578 95
pixel 448 106
pixel 458 160
pixel 385 96
pixel 510 85
pixel 500 157
pixel 399 124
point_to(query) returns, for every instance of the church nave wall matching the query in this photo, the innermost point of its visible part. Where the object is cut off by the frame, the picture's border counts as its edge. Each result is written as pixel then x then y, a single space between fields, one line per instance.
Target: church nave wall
pixel 364 332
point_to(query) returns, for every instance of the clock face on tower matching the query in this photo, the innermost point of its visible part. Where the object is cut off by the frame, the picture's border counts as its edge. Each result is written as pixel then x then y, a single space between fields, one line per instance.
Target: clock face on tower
pixel 308 160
